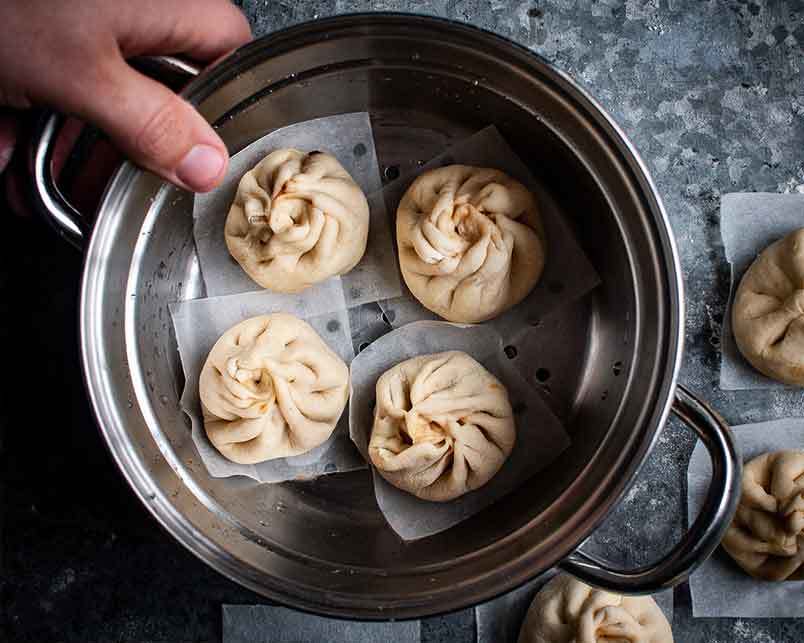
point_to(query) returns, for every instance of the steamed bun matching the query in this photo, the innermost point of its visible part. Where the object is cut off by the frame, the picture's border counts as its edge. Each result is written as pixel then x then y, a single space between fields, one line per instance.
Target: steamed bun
pixel 768 311
pixel 471 243
pixel 443 426
pixel 271 388
pixel 766 537
pixel 297 219
pixel 569 611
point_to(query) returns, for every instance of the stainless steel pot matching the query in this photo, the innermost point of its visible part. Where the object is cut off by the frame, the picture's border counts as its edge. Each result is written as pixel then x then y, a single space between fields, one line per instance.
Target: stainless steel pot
pixel 323 545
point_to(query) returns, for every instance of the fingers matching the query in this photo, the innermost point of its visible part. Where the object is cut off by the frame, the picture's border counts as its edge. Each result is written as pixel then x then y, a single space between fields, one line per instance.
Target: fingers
pixel 9 126
pixel 155 128
pixel 12 167
pixel 91 178
pixel 82 70
pixel 203 30
pixel 64 144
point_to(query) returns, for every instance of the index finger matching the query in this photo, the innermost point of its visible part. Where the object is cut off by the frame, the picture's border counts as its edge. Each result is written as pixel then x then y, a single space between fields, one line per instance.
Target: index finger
pixel 8 137
pixel 204 30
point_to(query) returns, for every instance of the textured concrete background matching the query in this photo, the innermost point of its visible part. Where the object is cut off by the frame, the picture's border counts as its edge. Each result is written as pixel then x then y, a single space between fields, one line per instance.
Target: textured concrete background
pixel 711 93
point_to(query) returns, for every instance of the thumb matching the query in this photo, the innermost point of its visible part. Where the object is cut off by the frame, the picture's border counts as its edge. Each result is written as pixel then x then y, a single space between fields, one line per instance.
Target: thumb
pixel 156 128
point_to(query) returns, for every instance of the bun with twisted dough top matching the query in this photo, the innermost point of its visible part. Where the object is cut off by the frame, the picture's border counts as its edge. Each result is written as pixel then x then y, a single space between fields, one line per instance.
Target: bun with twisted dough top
pixel 569 611
pixel 297 219
pixel 443 426
pixel 271 388
pixel 768 311
pixel 470 240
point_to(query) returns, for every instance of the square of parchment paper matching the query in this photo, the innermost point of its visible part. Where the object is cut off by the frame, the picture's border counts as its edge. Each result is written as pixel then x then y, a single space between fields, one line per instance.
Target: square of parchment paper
pixel 500 620
pixel 749 223
pixel 720 587
pixel 269 624
pixel 540 436
pixel 349 138
pixel 199 324
pixel 568 273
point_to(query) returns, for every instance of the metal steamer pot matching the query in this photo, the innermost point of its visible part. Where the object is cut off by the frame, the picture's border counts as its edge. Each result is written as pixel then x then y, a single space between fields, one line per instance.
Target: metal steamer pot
pixel 323 545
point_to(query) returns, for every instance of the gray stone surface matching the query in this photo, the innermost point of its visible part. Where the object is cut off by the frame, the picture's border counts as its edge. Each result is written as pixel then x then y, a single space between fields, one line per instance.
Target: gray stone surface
pixel 711 93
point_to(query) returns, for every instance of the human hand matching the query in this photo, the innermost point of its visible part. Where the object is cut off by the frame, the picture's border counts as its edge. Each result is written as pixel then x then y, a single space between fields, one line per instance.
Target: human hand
pixel 71 56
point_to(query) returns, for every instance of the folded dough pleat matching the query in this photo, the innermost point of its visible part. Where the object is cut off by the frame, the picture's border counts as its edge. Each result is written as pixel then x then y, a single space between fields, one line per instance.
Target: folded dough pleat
pixel 766 537
pixel 569 611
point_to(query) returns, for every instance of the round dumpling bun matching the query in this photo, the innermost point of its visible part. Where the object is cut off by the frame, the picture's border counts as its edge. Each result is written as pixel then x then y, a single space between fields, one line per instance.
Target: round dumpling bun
pixel 569 611
pixel 766 537
pixel 471 243
pixel 443 426
pixel 768 311
pixel 271 388
pixel 297 219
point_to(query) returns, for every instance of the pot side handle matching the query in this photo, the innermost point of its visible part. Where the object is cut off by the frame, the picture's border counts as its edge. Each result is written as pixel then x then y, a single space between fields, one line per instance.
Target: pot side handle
pixel 707 530
pixel 47 196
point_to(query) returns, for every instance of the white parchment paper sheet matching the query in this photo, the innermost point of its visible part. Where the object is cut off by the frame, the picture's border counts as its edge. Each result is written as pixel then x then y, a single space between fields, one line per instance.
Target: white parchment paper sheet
pixel 499 620
pixel 568 274
pixel 349 138
pixel 750 222
pixel 199 324
pixel 268 624
pixel 720 588
pixel 540 436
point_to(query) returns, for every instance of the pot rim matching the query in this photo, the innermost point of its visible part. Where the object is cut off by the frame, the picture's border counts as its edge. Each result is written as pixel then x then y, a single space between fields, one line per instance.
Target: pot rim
pixel 210 552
